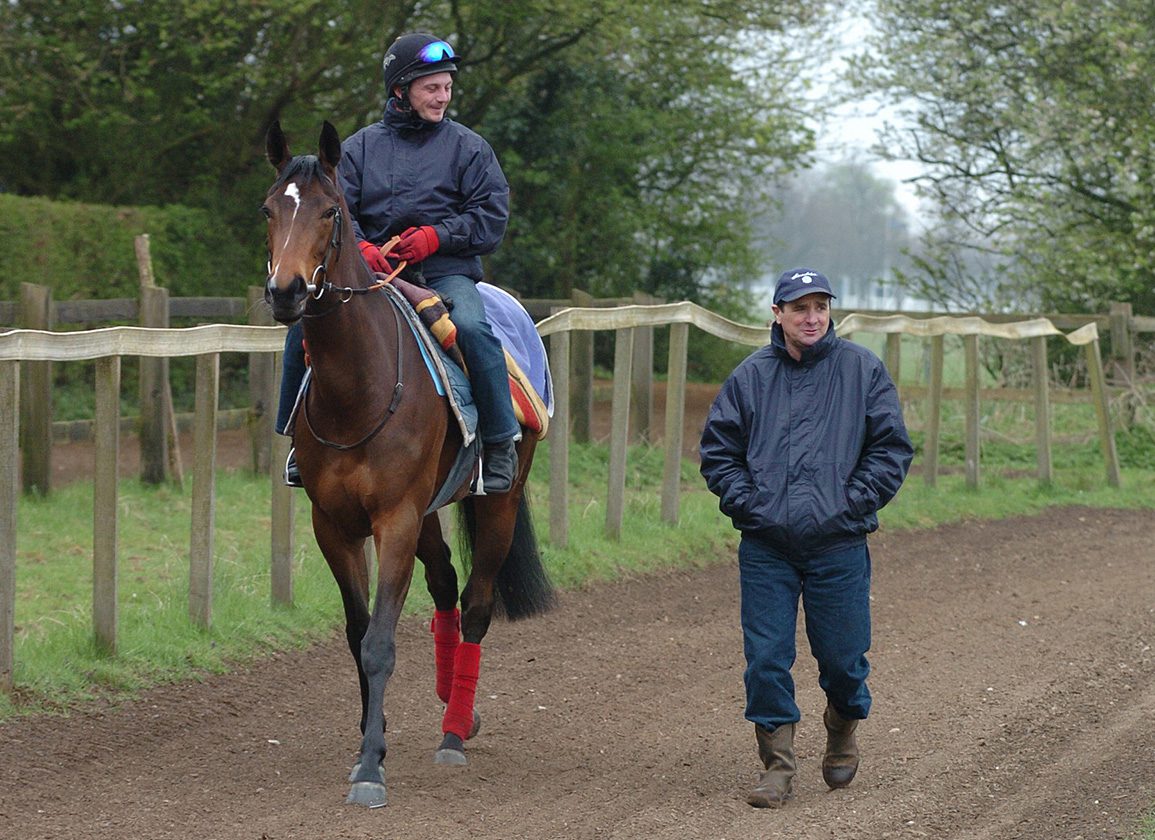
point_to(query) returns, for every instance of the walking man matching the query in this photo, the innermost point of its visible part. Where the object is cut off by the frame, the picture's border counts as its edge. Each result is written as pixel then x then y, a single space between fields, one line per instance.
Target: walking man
pixel 803 445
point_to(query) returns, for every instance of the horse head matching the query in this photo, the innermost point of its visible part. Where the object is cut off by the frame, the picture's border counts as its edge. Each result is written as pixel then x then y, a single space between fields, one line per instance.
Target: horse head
pixel 307 222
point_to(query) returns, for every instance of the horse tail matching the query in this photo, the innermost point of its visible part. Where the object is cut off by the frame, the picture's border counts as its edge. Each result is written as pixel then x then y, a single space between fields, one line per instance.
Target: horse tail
pixel 522 588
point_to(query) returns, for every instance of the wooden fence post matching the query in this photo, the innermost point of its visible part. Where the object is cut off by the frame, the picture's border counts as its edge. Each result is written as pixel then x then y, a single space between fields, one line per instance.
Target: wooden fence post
pixel 971 353
pixel 282 512
pixel 262 388
pixel 582 383
pixel 675 420
pixel 154 422
pixel 619 434
pixel 558 440
pixel 204 496
pixel 934 411
pixel 1042 409
pixel 894 356
pixel 642 384
pixel 1122 343
pixel 9 498
pixel 105 532
pixel 1123 356
pixel 36 313
pixel 1103 411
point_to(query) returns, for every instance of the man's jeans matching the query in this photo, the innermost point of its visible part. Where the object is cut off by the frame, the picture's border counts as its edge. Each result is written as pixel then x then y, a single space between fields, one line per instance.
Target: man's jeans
pixel 835 590
pixel 481 349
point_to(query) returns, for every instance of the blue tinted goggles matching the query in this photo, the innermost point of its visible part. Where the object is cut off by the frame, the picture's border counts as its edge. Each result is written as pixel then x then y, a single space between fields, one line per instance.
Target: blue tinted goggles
pixel 434 52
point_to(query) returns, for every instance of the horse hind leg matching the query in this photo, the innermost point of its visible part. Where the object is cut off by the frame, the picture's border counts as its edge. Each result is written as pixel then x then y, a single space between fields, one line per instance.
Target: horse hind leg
pixel 490 523
pixel 441 579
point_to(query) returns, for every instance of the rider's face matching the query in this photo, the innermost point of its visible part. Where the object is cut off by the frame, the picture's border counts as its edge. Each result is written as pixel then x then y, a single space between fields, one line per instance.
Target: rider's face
pixel 429 96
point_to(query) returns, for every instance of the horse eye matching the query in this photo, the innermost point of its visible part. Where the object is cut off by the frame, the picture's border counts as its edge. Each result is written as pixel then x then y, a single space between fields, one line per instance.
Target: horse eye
pixel 266 212
pixel 331 212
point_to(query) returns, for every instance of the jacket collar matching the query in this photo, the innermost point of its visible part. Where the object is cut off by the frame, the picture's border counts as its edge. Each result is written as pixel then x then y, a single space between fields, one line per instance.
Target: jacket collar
pixel 406 120
pixel 811 354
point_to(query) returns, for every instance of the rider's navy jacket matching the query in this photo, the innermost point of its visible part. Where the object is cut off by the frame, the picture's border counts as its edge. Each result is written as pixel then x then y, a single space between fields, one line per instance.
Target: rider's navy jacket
pixel 405 172
pixel 803 453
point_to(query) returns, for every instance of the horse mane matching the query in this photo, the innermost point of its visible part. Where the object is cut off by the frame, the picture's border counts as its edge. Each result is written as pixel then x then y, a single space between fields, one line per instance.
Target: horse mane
pixel 306 167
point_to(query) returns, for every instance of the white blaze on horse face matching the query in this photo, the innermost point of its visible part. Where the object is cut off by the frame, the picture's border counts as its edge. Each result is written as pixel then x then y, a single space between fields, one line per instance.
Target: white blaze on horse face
pixel 294 193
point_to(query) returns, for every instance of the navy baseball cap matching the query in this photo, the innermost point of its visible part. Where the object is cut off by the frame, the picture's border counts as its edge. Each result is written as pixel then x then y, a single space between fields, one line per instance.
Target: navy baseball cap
pixel 799 282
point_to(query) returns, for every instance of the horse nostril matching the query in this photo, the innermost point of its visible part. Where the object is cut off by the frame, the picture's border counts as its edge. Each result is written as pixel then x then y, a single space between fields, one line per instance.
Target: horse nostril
pixel 292 289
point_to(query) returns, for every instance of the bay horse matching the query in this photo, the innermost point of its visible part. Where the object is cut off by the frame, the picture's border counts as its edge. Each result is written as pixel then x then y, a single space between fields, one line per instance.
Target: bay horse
pixel 374 444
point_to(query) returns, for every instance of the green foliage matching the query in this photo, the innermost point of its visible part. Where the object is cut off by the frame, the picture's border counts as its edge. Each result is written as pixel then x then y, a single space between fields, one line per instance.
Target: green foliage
pixel 87 252
pixel 1033 120
pixel 623 126
pixel 635 164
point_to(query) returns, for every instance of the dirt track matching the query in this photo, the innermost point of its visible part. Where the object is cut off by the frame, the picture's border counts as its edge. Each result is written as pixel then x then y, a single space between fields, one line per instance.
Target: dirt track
pixel 1014 684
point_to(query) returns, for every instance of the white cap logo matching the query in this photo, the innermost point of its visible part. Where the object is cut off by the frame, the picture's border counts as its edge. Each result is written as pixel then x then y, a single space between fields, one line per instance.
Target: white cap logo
pixel 805 277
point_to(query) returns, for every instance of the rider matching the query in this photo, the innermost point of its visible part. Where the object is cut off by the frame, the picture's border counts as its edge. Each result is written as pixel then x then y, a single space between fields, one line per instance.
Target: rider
pixel 418 174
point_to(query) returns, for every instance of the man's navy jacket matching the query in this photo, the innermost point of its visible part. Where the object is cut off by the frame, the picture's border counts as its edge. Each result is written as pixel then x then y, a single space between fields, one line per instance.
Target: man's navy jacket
pixel 803 454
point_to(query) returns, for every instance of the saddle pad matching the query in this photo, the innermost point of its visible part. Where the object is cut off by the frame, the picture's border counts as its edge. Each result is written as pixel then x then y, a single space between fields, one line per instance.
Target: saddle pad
pixel 530 383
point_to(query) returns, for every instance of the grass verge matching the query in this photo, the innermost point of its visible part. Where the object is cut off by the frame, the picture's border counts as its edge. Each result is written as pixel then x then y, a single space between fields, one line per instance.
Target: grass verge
pixel 58 666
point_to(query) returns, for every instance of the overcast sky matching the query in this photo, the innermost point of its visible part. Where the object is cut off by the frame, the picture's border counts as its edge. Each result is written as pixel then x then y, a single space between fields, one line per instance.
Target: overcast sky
pixel 853 130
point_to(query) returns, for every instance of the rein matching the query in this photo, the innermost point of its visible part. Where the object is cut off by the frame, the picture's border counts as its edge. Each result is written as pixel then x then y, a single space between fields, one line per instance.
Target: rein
pixel 347 293
pixel 398 388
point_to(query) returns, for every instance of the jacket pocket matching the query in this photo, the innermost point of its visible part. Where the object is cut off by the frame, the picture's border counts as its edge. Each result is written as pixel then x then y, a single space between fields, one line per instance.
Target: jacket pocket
pixel 829 508
pixel 765 507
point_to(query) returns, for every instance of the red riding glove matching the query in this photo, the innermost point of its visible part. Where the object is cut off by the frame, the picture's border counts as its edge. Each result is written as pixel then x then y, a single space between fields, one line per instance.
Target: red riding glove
pixel 417 243
pixel 374 258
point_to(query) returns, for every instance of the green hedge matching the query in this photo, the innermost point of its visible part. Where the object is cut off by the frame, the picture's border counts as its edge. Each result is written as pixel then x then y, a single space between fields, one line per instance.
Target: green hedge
pixel 86 251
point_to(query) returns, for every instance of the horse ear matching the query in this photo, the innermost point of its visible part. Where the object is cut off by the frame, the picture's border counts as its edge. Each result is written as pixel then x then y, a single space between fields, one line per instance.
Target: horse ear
pixel 276 146
pixel 330 146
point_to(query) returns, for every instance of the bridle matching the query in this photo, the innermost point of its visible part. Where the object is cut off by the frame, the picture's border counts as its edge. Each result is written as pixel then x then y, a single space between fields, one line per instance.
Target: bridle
pixel 317 287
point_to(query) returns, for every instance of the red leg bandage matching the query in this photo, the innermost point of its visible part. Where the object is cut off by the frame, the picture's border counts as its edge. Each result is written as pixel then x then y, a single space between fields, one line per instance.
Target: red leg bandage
pixel 446 629
pixel 458 718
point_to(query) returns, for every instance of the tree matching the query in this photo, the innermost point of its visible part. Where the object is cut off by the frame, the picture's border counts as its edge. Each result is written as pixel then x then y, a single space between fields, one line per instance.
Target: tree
pixel 646 156
pixel 636 133
pixel 844 220
pixel 1033 120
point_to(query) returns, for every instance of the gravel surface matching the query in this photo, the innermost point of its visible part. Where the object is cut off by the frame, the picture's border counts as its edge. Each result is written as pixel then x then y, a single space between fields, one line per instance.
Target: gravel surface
pixel 1014 685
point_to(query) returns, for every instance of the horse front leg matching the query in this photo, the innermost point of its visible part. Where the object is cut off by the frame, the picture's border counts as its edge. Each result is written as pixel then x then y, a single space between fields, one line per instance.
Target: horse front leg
pixel 346 560
pixel 396 546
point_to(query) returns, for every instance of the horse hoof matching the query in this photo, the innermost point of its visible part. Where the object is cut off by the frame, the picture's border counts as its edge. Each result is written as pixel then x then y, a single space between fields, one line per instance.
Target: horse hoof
pixel 369 794
pixel 476 725
pixel 451 752
pixel 450 758
pixel 357 769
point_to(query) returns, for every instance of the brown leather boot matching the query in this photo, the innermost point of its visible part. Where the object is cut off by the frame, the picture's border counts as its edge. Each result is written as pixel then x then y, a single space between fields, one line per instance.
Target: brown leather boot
pixel 840 762
pixel 776 749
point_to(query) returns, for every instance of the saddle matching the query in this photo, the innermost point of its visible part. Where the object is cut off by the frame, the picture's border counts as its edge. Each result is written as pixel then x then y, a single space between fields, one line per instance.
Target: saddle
pixel 502 309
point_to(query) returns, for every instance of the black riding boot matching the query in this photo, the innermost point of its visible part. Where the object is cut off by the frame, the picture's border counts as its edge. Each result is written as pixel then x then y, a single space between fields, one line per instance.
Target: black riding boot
pixel 498 467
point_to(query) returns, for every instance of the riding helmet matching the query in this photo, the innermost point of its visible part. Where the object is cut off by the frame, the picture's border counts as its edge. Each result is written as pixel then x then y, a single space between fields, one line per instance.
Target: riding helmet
pixel 415 55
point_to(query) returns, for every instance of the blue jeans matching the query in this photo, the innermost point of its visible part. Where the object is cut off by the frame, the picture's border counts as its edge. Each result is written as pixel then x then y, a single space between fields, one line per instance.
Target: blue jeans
pixel 835 590
pixel 479 346
pixel 292 372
